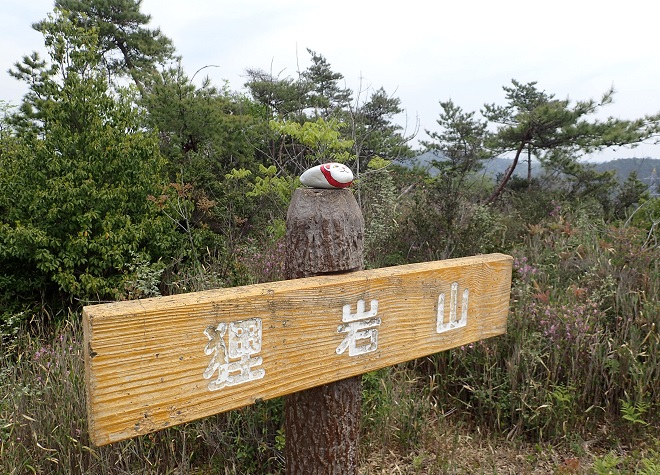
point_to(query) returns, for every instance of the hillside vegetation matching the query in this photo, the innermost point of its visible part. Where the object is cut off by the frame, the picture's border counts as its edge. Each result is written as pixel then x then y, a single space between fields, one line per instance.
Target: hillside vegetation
pixel 642 168
pixel 112 193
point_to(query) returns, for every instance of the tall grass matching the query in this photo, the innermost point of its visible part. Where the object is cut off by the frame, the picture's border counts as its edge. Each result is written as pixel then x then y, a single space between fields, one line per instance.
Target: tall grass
pixel 43 428
pixel 583 335
pixel 580 361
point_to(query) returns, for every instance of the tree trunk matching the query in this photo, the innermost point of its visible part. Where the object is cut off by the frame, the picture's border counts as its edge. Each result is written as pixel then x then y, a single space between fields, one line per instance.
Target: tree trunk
pixel 324 235
pixel 529 167
pixel 507 176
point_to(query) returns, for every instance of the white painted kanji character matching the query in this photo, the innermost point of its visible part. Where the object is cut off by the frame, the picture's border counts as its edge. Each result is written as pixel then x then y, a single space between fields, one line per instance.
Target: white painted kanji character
pixel 453 322
pixel 360 326
pixel 244 342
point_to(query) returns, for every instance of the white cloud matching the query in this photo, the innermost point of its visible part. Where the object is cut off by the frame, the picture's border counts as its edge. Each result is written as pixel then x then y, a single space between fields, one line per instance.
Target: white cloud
pixel 425 51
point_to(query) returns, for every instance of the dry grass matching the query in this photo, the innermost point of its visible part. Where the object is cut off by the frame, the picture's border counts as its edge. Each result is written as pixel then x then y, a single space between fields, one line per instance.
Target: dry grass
pixel 573 388
pixel 451 448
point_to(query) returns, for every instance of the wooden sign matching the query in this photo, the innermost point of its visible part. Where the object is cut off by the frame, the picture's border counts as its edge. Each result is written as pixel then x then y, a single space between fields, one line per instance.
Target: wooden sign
pixel 155 363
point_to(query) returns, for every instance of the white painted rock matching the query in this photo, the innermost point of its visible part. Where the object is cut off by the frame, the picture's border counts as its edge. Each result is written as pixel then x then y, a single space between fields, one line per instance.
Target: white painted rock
pixel 328 175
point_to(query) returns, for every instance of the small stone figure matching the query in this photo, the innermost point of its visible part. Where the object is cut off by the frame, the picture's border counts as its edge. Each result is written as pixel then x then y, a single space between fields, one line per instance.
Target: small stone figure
pixel 328 175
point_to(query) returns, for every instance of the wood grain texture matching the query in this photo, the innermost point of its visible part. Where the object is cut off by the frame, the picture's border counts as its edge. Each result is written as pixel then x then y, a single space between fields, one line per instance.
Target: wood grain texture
pixel 324 235
pixel 325 232
pixel 145 359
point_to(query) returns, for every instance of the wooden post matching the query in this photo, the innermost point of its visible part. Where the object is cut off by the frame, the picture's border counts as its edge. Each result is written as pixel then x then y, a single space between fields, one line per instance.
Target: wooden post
pixel 324 235
pixel 156 363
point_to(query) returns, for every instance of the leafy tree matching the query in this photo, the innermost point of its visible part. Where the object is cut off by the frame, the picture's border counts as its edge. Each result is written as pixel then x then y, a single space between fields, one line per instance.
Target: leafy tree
pixel 310 143
pixel 317 94
pixel 205 123
pixel 75 183
pixel 207 133
pixel 573 180
pixel 36 72
pixel 314 93
pixel 460 141
pixel 556 131
pixel 126 46
pixel 459 145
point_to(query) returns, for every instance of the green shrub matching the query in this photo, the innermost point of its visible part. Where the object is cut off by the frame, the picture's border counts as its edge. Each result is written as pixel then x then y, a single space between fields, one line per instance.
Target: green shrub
pixel 76 174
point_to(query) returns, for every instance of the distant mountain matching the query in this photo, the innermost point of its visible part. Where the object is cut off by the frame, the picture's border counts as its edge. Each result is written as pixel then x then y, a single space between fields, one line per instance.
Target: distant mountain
pixel 623 166
pixel 499 166
pixel 492 167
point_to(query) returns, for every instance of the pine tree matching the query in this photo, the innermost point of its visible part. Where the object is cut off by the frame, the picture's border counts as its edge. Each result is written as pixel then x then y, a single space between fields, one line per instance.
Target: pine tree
pixel 282 98
pixel 375 134
pixel 557 131
pixel 325 96
pixel 126 46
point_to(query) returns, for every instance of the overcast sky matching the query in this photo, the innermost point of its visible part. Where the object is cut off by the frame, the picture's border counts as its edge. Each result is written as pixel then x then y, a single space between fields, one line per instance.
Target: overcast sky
pixel 419 51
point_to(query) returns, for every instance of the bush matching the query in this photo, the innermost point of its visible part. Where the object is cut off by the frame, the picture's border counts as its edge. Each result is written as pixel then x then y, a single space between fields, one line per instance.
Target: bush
pixel 76 174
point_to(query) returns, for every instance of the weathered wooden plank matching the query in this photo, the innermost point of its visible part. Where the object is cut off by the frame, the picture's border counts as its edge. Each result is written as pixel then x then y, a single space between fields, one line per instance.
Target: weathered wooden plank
pixel 150 363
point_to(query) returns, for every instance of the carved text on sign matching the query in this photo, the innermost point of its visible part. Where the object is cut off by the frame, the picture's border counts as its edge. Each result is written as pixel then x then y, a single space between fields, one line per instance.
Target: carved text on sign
pixel 158 362
pixel 236 364
pixel 453 321
pixel 361 329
